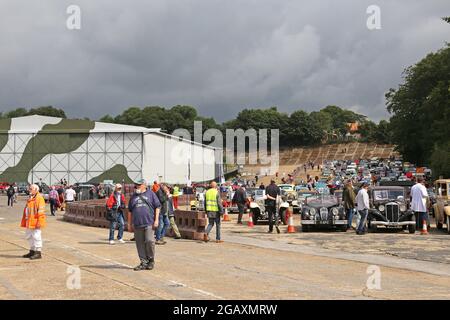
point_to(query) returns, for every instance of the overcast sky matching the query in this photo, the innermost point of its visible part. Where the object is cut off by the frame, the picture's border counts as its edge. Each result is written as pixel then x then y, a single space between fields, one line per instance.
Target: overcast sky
pixel 218 55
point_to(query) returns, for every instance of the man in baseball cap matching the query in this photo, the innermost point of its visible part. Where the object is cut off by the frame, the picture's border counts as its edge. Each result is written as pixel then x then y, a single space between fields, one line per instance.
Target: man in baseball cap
pixel 144 206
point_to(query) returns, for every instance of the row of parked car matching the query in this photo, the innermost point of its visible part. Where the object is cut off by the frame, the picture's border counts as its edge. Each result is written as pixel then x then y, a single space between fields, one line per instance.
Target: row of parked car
pixel 389 207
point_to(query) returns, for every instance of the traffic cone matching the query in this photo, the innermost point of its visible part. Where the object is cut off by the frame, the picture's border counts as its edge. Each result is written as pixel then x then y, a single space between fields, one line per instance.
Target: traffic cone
pixel 226 217
pixel 291 228
pixel 424 228
pixel 250 220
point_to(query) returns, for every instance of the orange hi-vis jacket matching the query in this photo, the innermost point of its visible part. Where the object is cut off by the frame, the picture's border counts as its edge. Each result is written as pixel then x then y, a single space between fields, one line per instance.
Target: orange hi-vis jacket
pixel 34 213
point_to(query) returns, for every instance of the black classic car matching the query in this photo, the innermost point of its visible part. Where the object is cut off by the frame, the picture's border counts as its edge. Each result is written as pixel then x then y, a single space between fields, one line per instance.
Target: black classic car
pixel 323 211
pixel 389 207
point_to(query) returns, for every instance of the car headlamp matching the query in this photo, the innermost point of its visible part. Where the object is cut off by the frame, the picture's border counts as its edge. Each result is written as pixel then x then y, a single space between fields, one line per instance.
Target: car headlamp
pixel 381 208
pixel 402 207
pixel 335 211
pixel 312 211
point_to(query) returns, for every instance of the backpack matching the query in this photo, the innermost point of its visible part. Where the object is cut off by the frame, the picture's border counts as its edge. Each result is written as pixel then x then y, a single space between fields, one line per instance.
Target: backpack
pixel 10 191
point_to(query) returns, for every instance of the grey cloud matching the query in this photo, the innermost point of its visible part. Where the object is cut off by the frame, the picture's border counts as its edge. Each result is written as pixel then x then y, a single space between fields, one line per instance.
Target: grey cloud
pixel 218 55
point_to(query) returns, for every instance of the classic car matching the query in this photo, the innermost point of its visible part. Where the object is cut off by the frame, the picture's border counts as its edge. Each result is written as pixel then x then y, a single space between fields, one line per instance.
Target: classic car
pixel 22 187
pixel 302 195
pixel 259 213
pixel 323 211
pixel 442 206
pixel 389 207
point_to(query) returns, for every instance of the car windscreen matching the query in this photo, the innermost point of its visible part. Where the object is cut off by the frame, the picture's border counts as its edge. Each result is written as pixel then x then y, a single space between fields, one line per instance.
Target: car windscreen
pixel 322 198
pixel 379 195
pixel 259 193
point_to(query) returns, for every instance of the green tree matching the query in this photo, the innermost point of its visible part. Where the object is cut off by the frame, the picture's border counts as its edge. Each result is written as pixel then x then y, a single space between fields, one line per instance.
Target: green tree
pixel 48 111
pixel 440 160
pixel 420 108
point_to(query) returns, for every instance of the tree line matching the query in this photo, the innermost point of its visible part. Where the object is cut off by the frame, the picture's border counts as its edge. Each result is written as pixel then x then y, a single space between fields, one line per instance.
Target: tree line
pixel 419 123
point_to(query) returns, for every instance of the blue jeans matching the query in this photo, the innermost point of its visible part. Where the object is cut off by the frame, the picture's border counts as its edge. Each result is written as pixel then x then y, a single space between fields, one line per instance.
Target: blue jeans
pixel 112 227
pixel 362 223
pixel 350 213
pixel 420 216
pixel 163 225
pixel 211 225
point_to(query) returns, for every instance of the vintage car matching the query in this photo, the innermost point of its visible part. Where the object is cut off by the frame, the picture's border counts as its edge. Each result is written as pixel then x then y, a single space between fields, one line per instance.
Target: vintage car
pixel 302 195
pixel 259 213
pixel 441 208
pixel 323 211
pixel 389 207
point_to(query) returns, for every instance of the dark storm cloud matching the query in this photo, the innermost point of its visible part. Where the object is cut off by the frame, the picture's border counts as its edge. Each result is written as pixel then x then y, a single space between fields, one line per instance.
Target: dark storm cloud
pixel 217 55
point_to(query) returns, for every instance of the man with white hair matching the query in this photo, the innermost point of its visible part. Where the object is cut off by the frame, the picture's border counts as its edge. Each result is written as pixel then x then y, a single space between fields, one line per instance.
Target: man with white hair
pixel 33 220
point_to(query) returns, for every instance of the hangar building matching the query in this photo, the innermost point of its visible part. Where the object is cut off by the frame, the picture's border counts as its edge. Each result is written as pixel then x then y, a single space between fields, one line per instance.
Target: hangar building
pixel 48 149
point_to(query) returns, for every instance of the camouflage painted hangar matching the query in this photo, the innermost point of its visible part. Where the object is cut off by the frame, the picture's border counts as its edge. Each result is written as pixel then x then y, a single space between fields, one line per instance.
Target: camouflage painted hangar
pixel 36 148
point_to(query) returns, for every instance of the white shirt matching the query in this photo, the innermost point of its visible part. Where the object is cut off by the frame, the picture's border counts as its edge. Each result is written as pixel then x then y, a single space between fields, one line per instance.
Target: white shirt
pixel 70 195
pixel 362 199
pixel 418 195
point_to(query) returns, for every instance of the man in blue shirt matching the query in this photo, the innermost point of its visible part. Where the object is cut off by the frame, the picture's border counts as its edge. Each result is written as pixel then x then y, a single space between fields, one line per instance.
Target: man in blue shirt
pixel 144 207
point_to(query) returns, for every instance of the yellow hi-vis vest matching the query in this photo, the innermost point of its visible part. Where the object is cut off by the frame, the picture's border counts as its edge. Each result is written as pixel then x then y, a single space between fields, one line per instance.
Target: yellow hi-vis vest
pixel 211 200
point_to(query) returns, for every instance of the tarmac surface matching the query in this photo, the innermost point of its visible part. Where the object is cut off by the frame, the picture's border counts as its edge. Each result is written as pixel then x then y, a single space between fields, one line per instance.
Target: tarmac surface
pixel 250 264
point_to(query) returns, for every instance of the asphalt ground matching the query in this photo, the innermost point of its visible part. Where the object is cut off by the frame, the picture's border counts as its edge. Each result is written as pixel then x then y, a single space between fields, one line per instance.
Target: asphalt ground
pixel 250 264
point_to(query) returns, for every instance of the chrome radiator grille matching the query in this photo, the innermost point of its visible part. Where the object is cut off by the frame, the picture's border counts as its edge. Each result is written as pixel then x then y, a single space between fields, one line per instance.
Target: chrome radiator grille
pixel 323 214
pixel 392 212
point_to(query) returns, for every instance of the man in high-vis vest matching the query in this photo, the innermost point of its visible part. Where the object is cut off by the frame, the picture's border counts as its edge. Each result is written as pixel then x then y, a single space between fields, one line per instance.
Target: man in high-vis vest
pixel 214 210
pixel 33 220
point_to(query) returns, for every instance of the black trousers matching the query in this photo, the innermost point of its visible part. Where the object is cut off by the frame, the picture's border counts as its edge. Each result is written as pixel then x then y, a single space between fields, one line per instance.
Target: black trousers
pixel 241 207
pixel 271 211
pixel 52 206
pixel 10 200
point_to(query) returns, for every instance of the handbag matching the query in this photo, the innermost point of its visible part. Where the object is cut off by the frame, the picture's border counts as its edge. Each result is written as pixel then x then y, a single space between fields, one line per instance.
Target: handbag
pixel 112 214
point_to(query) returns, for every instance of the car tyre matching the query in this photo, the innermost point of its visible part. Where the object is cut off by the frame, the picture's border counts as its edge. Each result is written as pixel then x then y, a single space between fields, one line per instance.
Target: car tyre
pixel 255 218
pixel 448 224
pixel 412 228
pixel 283 217
pixel 439 225
pixel 305 228
pixel 372 228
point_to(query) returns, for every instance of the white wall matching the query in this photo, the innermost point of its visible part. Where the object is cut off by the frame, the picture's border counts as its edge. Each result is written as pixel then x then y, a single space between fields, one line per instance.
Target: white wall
pixel 166 159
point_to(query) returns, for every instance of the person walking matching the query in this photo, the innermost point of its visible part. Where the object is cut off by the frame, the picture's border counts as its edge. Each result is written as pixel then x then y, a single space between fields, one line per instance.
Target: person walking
pixel 53 198
pixel 164 222
pixel 69 195
pixel 362 200
pixel 419 197
pixel 240 198
pixel 16 192
pixel 10 193
pixel 115 204
pixel 170 213
pixel 176 194
pixel 61 192
pixel 272 193
pixel 33 220
pixel 144 206
pixel 348 198
pixel 214 211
